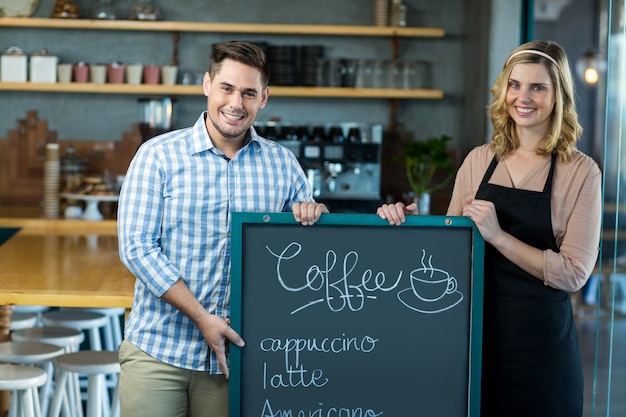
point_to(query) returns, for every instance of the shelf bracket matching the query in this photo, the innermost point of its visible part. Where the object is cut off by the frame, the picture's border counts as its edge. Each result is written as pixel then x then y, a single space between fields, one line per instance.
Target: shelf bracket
pixel 175 42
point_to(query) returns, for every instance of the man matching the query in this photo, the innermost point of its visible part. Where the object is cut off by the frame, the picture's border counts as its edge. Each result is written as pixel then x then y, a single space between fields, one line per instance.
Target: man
pixel 174 236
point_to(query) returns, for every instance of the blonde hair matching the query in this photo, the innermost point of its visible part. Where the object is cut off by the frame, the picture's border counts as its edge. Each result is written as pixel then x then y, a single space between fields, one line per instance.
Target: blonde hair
pixel 564 131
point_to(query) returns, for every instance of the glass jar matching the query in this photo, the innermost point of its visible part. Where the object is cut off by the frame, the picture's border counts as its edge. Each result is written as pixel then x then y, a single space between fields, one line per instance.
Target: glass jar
pixel 144 10
pixel 104 9
pixel 397 15
pixel 72 170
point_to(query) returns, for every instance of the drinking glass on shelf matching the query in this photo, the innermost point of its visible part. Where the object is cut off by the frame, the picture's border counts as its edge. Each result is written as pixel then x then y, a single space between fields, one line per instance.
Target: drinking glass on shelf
pixel 409 75
pixel 335 70
pixel 364 74
pixel 416 74
pixel 394 71
pixel 379 78
pixel 350 67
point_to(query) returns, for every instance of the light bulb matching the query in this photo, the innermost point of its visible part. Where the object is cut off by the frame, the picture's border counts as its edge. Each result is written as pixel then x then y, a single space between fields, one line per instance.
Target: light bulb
pixel 591 76
pixel 590 67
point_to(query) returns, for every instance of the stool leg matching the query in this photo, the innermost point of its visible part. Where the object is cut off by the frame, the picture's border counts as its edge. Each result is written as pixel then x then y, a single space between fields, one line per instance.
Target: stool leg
pixel 66 406
pixel 115 402
pixel 59 393
pixel 117 332
pixel 75 395
pixel 27 402
pixel 94 395
pixel 94 339
pixel 36 404
pixel 45 391
pixel 109 343
pixel 14 404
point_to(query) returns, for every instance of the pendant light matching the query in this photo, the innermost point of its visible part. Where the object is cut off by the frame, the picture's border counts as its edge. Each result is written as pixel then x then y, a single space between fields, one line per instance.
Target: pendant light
pixel 590 67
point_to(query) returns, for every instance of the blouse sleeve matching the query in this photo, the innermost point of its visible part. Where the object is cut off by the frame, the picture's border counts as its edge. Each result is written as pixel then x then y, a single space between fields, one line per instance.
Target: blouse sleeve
pixel 468 178
pixel 579 213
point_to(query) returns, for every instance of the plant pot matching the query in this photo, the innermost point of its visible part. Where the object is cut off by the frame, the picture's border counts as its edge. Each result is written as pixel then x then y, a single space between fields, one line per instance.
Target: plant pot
pixel 423 203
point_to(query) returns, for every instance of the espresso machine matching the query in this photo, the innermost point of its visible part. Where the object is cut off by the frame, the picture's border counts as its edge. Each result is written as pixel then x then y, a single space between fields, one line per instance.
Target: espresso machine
pixel 156 115
pixel 342 161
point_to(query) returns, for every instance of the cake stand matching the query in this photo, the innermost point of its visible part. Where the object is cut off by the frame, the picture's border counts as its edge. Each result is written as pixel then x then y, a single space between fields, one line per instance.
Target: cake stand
pixel 92 211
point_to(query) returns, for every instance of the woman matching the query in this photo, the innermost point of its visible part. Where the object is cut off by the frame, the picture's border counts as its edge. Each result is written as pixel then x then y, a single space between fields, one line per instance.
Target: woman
pixel 536 201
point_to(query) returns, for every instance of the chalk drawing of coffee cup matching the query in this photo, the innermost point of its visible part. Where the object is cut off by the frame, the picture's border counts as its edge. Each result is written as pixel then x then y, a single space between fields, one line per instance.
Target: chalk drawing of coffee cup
pixel 431 284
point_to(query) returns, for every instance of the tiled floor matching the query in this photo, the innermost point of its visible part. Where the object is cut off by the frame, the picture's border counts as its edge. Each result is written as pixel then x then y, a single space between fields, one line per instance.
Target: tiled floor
pixel 605 372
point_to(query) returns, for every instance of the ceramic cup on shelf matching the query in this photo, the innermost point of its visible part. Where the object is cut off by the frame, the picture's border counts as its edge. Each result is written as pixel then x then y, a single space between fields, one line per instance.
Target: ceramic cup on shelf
pixel 134 73
pixel 98 73
pixel 81 72
pixel 64 72
pixel 151 74
pixel 115 73
pixel 169 74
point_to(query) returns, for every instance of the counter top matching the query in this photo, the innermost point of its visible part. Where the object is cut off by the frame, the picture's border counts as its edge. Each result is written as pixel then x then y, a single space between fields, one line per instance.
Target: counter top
pixel 40 226
pixel 64 263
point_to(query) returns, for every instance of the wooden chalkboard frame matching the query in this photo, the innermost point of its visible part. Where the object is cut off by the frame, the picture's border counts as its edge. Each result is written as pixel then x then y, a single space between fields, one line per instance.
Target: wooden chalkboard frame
pixel 240 223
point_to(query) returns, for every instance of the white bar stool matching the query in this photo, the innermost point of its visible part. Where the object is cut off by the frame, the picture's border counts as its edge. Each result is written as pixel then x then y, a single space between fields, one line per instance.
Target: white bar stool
pixel 21 321
pixel 112 332
pixel 23 382
pixel 67 338
pixel 36 310
pixel 33 353
pixel 79 319
pixel 64 337
pixel 96 364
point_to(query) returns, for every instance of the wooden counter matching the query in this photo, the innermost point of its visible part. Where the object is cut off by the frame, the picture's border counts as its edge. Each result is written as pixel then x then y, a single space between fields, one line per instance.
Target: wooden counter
pixel 60 263
pixel 63 263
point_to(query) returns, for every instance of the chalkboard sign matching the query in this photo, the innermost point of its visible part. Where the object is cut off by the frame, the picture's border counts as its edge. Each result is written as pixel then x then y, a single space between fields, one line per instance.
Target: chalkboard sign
pixel 354 317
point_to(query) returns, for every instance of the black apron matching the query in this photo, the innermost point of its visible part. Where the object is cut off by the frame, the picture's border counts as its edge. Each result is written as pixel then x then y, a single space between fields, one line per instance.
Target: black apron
pixel 531 359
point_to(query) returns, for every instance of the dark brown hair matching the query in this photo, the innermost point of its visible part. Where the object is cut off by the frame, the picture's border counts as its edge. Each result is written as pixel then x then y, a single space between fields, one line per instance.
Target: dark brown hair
pixel 244 52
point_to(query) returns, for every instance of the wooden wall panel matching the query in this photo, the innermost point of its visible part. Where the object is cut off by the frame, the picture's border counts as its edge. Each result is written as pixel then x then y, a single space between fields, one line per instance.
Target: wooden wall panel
pixel 22 156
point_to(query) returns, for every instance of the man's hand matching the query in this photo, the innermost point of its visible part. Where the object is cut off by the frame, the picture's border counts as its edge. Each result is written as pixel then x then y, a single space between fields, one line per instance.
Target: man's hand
pixel 216 330
pixel 218 333
pixel 308 213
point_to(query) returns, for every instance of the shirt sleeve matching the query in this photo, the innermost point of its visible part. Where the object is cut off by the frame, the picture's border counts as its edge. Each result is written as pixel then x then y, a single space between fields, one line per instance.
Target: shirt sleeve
pixel 578 214
pixel 140 211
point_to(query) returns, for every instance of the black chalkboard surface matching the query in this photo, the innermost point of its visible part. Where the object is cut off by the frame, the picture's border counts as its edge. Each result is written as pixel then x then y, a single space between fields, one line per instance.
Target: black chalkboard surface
pixel 353 317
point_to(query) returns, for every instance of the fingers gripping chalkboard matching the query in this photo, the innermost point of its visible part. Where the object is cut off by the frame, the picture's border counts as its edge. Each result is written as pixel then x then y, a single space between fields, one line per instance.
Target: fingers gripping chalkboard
pixel 352 317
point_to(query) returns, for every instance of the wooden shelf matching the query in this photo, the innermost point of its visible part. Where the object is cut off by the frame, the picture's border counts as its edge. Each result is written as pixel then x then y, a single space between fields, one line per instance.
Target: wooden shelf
pixel 285 29
pixel 196 90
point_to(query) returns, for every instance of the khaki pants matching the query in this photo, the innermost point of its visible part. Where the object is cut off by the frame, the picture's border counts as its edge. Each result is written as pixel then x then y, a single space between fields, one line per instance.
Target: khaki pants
pixel 150 388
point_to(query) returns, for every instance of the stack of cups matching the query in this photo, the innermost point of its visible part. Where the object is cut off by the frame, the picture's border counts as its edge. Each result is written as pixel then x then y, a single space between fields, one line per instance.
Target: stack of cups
pixel 381 12
pixel 51 181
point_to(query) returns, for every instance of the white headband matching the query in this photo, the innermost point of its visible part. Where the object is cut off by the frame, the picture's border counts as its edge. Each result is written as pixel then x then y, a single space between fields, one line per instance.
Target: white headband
pixel 532 51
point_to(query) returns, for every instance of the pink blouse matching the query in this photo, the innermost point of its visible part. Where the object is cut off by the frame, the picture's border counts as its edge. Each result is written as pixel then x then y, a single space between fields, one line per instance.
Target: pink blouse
pixel 576 210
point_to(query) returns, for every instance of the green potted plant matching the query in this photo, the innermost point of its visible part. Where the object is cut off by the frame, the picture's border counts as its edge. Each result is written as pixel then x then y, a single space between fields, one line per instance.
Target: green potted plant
pixel 422 160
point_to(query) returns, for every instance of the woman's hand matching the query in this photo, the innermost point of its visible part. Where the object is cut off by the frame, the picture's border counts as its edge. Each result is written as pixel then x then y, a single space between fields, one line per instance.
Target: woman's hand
pixel 396 213
pixel 483 213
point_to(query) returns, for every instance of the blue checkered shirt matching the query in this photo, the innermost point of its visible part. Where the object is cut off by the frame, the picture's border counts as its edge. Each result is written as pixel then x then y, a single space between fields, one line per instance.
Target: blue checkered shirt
pixel 174 222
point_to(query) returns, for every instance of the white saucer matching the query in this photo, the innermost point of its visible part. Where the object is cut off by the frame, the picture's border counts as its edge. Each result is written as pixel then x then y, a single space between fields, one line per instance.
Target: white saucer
pixel 408 298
